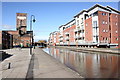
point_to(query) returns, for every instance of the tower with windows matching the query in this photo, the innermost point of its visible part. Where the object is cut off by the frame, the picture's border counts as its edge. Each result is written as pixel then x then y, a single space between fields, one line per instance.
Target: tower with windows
pixel 21 23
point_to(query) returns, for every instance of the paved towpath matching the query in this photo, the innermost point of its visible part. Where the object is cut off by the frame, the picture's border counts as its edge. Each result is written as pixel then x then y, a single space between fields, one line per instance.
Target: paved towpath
pixel 39 65
pixel 19 63
pixel 45 66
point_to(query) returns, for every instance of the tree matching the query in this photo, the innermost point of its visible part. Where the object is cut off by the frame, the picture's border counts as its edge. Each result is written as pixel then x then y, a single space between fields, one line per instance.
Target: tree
pixel 42 41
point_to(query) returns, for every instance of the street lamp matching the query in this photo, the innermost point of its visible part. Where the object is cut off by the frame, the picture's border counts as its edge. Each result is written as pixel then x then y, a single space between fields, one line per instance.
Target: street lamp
pixel 31 35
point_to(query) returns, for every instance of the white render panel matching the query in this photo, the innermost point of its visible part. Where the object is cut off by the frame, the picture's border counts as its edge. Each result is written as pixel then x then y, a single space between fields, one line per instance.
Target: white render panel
pixel 95 30
pixel 95 18
pixel 21 17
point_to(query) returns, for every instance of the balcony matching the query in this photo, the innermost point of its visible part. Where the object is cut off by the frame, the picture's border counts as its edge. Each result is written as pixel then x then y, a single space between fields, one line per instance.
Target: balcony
pixel 66 33
pixel 75 30
pixel 105 41
pixel 60 36
pixel 61 39
pixel 79 29
pixel 79 36
pixel 67 38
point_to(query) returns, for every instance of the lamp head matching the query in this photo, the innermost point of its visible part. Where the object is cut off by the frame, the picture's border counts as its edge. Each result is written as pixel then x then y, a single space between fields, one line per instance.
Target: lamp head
pixel 34 20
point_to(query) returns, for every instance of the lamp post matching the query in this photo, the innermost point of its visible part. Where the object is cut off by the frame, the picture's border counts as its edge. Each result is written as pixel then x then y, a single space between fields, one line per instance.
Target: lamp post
pixel 32 19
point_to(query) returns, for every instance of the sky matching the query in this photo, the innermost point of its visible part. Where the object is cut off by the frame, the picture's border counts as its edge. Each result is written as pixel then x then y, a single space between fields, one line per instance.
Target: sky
pixel 49 15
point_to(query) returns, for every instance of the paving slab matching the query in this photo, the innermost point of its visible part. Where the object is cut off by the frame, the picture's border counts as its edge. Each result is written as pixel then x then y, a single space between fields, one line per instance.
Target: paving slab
pixel 19 63
pixel 48 67
pixel 38 65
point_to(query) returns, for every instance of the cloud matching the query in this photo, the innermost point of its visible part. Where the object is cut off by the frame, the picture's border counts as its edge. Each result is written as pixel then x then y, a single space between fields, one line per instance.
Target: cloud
pixel 8 27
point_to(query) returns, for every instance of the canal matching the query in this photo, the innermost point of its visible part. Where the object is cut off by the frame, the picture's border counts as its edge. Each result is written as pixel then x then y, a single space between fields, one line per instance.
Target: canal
pixel 88 64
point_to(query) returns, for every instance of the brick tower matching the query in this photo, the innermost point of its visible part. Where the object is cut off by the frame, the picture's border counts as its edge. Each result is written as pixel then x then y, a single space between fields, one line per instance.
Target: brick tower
pixel 21 23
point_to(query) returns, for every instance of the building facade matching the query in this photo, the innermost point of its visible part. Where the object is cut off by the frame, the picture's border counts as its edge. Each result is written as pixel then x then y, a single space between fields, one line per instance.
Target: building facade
pixel 96 27
pixel 6 40
pixel 20 35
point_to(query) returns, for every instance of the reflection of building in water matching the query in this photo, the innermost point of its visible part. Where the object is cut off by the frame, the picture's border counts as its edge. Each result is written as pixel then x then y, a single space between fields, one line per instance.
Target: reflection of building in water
pixel 90 65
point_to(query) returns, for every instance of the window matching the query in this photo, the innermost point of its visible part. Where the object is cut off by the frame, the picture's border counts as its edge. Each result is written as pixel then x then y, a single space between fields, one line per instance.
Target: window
pixel 106 22
pixel 103 30
pixel 106 38
pixel 81 20
pixel 106 30
pixel 103 38
pixel 103 22
pixel 95 14
pixel 94 23
pixel 117 39
pixel 77 22
pixel 103 14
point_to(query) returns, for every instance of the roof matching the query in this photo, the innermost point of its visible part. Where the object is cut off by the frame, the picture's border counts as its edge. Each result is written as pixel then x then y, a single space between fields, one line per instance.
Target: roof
pixel 61 26
pixel 97 5
pixel 113 9
pixel 80 13
pixel 69 22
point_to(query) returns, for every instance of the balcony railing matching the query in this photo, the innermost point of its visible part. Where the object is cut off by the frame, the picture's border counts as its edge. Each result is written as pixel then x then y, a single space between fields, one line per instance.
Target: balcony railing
pixel 61 39
pixel 66 33
pixel 75 30
pixel 67 38
pixel 60 36
pixel 79 29
pixel 105 41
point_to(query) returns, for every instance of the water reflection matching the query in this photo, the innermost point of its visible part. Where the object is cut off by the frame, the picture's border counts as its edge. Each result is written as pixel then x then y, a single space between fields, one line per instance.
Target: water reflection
pixel 89 65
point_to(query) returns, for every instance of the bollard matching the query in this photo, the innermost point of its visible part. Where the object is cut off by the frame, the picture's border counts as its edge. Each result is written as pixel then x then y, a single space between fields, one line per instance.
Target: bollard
pixel 9 65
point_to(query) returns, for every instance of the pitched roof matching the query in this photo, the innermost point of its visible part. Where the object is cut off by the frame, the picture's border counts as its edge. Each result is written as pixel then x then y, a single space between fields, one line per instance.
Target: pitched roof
pixel 113 9
pixel 80 13
pixel 69 22
pixel 96 5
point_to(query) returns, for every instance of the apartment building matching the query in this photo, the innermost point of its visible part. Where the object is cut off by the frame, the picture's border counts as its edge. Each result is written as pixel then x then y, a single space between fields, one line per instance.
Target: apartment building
pixel 96 27
pixel 54 38
pixel 61 38
pixel 68 33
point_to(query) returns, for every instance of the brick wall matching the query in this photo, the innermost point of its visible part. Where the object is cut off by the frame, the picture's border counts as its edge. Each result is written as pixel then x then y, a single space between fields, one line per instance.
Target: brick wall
pixel 104 32
pixel 114 28
pixel 57 37
pixel 71 35
pixel 25 41
pixel 88 30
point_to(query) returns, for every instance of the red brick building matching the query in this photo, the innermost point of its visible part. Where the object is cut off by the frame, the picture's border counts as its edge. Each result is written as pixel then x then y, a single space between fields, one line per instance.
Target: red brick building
pixel 96 27
pixel 21 35
pixel 68 33
pixel 6 40
pixel 54 38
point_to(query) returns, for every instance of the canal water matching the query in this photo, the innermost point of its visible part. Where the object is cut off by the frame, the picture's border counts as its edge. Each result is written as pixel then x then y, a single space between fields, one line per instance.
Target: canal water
pixel 88 64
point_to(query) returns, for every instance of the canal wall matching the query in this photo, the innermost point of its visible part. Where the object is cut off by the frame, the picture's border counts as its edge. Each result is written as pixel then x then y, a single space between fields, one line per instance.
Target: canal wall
pixel 103 50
